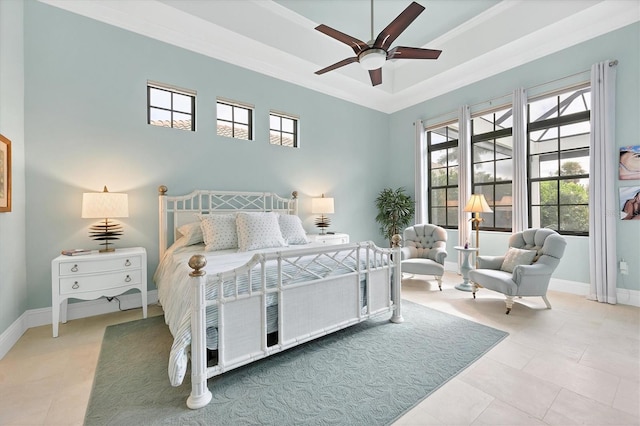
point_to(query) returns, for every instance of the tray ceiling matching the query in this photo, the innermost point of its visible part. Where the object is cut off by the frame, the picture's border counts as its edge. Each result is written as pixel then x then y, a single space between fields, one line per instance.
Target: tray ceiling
pixel 479 38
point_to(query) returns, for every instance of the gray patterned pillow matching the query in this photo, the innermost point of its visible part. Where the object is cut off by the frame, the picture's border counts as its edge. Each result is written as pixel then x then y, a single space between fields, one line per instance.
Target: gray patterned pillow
pixel 515 257
pixel 292 230
pixel 258 230
pixel 219 231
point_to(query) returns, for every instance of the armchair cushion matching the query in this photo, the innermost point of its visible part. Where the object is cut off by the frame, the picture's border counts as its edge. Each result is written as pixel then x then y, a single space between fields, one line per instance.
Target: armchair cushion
pixel 516 257
pixel 496 280
pixel 422 266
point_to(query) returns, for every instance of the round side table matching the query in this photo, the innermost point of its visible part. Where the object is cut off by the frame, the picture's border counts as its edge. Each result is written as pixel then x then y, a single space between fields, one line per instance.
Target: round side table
pixel 465 267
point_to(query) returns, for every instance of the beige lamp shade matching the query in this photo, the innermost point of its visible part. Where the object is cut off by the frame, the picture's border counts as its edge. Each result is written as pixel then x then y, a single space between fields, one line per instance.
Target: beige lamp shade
pixel 101 205
pixel 477 204
pixel 322 205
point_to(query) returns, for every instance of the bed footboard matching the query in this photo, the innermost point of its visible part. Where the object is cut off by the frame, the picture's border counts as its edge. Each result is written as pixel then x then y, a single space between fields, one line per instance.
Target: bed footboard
pixel 309 307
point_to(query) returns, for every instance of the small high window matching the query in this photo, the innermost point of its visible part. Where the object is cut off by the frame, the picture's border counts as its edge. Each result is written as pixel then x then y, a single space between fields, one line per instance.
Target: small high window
pixel 235 120
pixel 169 106
pixel 283 129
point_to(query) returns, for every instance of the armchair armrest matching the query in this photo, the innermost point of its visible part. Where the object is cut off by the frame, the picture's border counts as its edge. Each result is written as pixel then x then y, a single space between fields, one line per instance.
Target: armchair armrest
pixel 532 280
pixel 408 252
pixel 490 262
pixel 438 254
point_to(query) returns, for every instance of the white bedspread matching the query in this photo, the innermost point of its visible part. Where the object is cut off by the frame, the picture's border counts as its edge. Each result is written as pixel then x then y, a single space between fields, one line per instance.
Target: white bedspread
pixel 172 280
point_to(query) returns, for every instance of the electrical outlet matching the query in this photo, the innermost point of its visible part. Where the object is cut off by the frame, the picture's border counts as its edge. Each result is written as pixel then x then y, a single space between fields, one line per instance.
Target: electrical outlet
pixel 624 269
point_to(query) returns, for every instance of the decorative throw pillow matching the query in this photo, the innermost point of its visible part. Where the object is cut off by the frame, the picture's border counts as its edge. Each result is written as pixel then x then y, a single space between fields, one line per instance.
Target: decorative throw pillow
pixel 292 230
pixel 515 257
pixel 192 233
pixel 219 231
pixel 258 230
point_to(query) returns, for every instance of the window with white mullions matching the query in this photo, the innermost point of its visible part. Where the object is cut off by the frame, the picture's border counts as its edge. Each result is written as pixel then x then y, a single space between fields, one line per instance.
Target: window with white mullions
pixel 168 106
pixel 443 169
pixel 283 130
pixel 234 120
pixel 559 132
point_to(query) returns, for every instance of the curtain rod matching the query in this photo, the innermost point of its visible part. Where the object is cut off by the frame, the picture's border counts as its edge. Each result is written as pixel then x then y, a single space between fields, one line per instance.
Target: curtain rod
pixel 612 63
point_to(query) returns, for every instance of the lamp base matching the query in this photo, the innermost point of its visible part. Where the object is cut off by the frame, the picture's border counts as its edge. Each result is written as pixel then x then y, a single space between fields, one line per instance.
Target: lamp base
pixel 322 222
pixel 106 231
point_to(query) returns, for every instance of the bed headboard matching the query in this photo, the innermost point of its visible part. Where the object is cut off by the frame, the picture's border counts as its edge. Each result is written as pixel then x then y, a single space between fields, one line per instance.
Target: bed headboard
pixel 175 211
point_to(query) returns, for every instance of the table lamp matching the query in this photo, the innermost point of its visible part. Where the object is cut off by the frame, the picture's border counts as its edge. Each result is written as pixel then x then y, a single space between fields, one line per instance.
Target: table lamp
pixel 477 204
pixel 322 206
pixel 105 205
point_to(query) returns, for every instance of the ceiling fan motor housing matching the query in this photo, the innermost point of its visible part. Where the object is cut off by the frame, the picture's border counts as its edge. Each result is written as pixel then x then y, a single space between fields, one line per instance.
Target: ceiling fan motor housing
pixel 372 59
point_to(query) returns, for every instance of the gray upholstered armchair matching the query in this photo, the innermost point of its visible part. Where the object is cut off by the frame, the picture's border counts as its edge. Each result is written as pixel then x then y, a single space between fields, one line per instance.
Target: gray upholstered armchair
pixel 424 251
pixel 526 268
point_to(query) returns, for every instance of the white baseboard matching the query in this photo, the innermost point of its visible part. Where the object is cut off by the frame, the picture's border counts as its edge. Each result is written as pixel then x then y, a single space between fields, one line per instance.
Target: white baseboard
pixel 12 334
pixel 38 317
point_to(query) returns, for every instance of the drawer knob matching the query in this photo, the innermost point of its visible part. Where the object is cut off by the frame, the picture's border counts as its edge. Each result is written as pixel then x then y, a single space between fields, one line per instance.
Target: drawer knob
pixel 75 285
pixel 75 268
pixel 127 263
pixel 128 279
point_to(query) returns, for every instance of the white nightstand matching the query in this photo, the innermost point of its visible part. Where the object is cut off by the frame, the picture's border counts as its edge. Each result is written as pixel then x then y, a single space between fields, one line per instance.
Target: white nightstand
pixel 91 276
pixel 329 238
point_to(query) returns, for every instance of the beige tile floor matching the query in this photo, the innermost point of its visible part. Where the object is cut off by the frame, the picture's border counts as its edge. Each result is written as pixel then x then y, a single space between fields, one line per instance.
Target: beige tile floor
pixel 578 363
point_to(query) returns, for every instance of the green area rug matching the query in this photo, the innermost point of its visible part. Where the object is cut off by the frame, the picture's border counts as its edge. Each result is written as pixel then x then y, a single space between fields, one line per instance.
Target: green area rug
pixel 368 374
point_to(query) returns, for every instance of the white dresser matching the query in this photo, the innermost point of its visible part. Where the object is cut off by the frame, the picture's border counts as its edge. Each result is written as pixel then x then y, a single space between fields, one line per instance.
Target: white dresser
pixel 90 276
pixel 329 238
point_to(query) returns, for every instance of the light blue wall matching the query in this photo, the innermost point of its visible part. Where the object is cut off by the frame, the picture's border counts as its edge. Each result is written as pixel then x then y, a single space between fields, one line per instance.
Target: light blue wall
pixel 84 109
pixel 623 45
pixel 13 285
pixel 86 115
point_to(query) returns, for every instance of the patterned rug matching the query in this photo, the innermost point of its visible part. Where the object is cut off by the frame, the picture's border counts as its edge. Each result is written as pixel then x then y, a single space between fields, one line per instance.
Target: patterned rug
pixel 368 374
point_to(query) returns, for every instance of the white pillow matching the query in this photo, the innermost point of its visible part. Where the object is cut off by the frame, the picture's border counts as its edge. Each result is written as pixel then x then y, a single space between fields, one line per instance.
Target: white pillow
pixel 292 230
pixel 219 231
pixel 258 230
pixel 192 233
pixel 515 257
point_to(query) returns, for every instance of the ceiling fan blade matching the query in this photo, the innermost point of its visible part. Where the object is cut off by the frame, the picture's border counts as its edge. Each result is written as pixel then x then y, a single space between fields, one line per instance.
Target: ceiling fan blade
pixel 357 45
pixel 376 76
pixel 342 63
pixel 400 52
pixel 395 28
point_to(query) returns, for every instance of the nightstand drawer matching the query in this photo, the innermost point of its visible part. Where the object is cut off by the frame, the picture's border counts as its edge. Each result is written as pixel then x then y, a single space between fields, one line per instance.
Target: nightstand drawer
pixel 92 266
pixel 99 282
pixel 329 239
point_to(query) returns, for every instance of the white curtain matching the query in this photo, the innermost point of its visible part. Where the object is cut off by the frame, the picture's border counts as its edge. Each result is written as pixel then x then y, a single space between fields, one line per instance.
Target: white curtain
pixel 602 178
pixel 421 215
pixel 464 176
pixel 520 202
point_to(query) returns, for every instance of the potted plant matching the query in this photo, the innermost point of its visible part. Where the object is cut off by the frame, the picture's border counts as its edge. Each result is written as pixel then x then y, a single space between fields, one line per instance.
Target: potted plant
pixel 395 211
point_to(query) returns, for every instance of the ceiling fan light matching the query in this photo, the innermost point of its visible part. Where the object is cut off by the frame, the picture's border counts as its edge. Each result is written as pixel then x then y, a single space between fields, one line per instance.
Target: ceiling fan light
pixel 372 59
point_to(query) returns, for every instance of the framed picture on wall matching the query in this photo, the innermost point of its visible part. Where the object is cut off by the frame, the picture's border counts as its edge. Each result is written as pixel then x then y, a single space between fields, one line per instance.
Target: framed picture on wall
pixel 5 174
pixel 630 203
pixel 629 162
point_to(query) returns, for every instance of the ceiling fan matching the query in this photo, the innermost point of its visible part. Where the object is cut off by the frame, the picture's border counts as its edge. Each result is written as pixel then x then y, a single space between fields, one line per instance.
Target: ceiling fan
pixel 373 55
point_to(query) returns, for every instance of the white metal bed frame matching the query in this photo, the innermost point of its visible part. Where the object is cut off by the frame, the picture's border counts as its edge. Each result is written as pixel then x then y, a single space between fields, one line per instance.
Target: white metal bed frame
pixel 306 310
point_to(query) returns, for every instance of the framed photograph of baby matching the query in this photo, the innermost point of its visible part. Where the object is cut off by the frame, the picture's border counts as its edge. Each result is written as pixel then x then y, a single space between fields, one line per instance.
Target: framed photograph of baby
pixel 630 203
pixel 629 162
